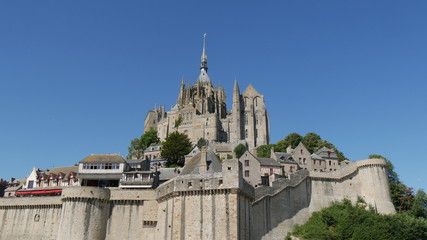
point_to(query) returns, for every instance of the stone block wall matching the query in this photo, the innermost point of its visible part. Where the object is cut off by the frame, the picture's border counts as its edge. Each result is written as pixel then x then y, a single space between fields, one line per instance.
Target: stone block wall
pixel 30 218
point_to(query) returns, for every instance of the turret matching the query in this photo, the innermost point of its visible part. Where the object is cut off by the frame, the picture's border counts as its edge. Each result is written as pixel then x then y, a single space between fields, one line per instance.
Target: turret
pixel 236 112
pixel 181 96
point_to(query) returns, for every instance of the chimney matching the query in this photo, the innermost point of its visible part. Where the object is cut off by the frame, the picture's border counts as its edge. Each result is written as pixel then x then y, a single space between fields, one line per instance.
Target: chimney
pixel 203 166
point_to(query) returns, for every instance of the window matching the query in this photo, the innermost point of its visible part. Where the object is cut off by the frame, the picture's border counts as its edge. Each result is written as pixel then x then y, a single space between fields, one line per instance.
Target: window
pixel 246 133
pixel 190 184
pixel 246 119
pixel 247 173
pixel 271 171
pixel 247 163
pixel 256 102
pixel 30 184
pixel 304 161
pixel 302 152
pixel 329 163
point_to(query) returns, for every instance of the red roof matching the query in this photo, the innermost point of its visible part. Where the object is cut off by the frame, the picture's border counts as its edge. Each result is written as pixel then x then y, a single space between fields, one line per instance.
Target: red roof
pixel 40 191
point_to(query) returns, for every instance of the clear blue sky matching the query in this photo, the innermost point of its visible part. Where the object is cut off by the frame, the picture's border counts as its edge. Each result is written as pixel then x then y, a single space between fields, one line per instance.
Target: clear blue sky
pixel 78 77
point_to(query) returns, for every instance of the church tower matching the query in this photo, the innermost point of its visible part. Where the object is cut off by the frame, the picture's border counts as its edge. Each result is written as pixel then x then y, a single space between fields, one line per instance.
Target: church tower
pixel 201 112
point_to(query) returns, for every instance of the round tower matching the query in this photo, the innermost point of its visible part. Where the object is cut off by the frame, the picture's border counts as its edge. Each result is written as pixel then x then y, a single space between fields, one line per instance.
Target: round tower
pixel 84 213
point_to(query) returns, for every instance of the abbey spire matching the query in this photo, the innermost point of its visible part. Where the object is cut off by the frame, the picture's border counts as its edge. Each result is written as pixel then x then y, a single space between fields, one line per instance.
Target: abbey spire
pixel 203 77
pixel 204 58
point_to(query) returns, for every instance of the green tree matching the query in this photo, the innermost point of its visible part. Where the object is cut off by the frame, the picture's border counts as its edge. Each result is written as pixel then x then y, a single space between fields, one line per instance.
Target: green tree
pixel 264 151
pixel 135 149
pixel 239 150
pixel 293 139
pixel 419 206
pixel 281 146
pixel 201 143
pixel 347 221
pixel 178 122
pixel 149 138
pixel 311 141
pixel 175 147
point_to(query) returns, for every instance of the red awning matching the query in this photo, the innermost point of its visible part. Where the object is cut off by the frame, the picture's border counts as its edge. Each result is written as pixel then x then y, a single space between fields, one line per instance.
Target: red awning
pixel 40 191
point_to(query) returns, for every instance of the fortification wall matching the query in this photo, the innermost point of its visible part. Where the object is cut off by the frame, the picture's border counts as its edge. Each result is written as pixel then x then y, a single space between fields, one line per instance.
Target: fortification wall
pixel 30 218
pixel 364 178
pixel 200 214
pixel 132 214
pixel 291 202
pixel 281 206
pixel 200 206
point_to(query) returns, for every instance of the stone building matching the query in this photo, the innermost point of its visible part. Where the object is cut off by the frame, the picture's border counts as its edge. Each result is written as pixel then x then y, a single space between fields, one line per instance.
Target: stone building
pixel 101 170
pixel 285 159
pixel 49 182
pixel 201 112
pixel 259 171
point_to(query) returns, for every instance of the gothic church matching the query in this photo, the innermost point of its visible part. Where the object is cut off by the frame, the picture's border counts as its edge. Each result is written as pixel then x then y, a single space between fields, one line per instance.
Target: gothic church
pixel 201 112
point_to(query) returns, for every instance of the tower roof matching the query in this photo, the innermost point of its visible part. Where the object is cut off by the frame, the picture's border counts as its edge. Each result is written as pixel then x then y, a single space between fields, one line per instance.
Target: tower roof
pixel 203 77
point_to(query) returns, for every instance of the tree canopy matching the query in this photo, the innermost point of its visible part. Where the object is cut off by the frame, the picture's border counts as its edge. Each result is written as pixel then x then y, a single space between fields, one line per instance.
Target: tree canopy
pixel 293 139
pixel 201 143
pixel 175 147
pixel 149 138
pixel 347 221
pixel 264 151
pixel 138 145
pixel 312 141
pixel 239 150
pixel 281 146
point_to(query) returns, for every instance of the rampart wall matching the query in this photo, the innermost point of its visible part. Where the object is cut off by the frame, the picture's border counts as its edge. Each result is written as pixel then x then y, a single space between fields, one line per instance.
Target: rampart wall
pixel 30 218
pixel 195 206
pixel 293 201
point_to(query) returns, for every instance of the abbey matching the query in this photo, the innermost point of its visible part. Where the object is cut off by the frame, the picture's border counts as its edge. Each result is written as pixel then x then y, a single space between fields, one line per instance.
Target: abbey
pixel 201 112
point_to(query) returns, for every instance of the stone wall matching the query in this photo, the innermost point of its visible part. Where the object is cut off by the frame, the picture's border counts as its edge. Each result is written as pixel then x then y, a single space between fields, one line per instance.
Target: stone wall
pixel 30 218
pixel 218 205
pixel 288 202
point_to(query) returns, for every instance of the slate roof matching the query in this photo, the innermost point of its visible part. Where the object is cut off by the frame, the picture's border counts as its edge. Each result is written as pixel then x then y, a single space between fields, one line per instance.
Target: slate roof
pixel 153 148
pixel 103 158
pixel 316 157
pixel 193 152
pixel 19 182
pixel 192 166
pixel 284 157
pixel 168 173
pixel 129 161
pixel 221 148
pixel 323 153
pixel 63 170
pixel 268 162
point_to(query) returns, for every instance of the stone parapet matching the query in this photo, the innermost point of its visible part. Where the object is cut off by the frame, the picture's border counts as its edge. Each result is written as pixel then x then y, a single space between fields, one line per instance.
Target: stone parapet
pixel 348 170
pixel 279 185
pixel 34 202
pixel 136 194
pixel 86 193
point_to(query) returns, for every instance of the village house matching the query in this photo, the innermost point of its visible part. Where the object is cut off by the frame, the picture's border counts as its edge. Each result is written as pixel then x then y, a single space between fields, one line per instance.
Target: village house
pixel 101 170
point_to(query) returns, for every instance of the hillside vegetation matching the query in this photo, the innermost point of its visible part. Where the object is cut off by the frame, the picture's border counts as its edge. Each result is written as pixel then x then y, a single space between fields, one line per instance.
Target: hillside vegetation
pixel 344 220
